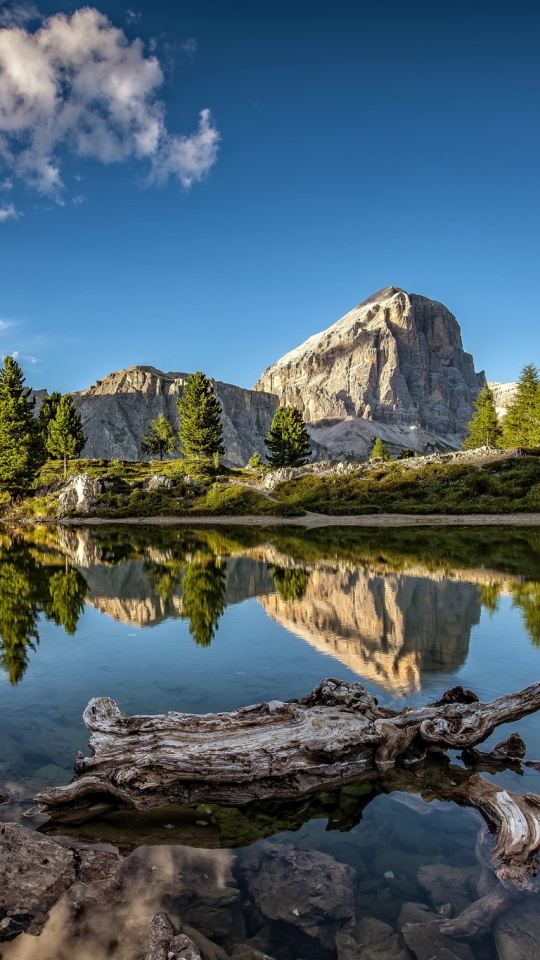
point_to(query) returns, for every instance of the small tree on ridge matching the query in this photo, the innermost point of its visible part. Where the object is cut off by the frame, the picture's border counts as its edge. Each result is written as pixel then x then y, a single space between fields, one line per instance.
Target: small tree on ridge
pixel 201 432
pixel 521 427
pixel 484 429
pixel 288 440
pixel 19 438
pixel 161 438
pixel 65 437
pixel 379 450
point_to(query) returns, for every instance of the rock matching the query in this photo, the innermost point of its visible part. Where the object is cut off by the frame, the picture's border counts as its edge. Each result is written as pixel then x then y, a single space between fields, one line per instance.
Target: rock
pixel 517 931
pixel 416 913
pixel 117 411
pixel 413 384
pixel 34 873
pixel 207 949
pixel 371 940
pixel 307 890
pixel 428 943
pixel 503 395
pixel 444 884
pixel 158 482
pixel 79 495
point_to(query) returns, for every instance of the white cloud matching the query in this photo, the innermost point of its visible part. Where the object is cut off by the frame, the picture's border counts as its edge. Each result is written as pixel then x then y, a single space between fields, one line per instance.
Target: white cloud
pixel 78 83
pixel 8 212
pixel 5 324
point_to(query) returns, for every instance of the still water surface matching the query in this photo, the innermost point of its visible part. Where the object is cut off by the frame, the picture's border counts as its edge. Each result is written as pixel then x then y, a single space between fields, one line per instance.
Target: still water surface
pixel 207 620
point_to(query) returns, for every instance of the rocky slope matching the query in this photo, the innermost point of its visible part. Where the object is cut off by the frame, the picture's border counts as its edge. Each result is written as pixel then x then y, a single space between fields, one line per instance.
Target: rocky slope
pixel 503 395
pixel 393 367
pixel 117 411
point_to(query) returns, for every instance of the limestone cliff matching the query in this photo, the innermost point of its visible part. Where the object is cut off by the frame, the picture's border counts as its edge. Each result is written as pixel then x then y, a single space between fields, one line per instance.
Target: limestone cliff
pixel 503 395
pixel 394 366
pixel 117 411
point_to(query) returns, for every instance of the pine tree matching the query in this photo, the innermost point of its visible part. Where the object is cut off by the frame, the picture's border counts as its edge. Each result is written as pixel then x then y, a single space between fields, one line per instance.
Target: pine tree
pixel 161 438
pixel 47 412
pixel 255 461
pixel 484 429
pixel 67 593
pixel 65 437
pixel 379 450
pixel 203 597
pixel 201 432
pixel 288 440
pixel 19 438
pixel 521 427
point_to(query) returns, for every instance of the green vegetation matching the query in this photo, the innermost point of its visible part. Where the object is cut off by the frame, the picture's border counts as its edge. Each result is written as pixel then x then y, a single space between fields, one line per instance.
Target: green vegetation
pixel 65 437
pixel 255 461
pixel 47 412
pixel 505 486
pixel 20 446
pixel 484 429
pixel 203 596
pixel 290 583
pixel 161 438
pixel 521 427
pixel 288 440
pixel 200 433
pixel 379 450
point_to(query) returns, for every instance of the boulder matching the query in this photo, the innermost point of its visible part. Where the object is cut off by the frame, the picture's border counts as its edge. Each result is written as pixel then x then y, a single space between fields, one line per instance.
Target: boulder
pixel 517 932
pixel 304 889
pixel 158 482
pixel 371 939
pixel 426 942
pixel 35 871
pixel 79 495
pixel 444 884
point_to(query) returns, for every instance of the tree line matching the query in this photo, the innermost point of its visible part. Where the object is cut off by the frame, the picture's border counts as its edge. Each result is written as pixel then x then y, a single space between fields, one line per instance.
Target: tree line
pixel 27 440
pixel 200 434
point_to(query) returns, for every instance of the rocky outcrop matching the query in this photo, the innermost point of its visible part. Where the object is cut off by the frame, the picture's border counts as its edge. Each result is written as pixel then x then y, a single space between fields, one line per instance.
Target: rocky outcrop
pixel 503 396
pixel 117 411
pixel 394 366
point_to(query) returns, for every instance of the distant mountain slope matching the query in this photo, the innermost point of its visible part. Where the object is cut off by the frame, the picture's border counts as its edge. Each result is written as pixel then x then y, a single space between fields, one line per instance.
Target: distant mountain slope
pixel 117 411
pixel 395 360
pixel 503 395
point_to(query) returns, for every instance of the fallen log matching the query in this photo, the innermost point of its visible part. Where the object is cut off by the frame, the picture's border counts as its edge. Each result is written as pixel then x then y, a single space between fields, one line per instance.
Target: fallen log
pixel 271 750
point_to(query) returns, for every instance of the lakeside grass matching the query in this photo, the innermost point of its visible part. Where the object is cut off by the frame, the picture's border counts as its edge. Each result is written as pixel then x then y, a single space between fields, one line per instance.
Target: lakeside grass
pixel 505 486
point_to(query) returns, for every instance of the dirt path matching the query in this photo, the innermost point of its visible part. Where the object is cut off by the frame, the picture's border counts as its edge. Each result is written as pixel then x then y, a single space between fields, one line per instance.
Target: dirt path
pixel 312 520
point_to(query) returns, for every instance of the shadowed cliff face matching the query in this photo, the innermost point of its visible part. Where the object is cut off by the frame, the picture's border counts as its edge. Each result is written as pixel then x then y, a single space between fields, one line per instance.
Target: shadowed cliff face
pixel 389 629
pixel 396 359
pixel 118 410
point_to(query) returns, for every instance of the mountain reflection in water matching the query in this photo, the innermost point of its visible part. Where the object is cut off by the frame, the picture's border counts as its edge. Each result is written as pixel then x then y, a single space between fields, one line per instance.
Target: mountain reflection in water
pixel 390 605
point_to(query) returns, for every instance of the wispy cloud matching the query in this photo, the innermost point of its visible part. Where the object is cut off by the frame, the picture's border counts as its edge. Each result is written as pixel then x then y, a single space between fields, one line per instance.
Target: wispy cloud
pixel 78 84
pixel 14 13
pixel 6 324
pixel 8 212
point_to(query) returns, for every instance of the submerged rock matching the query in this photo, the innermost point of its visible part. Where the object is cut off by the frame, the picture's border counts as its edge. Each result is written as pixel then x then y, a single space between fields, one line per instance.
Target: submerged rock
pixel 303 889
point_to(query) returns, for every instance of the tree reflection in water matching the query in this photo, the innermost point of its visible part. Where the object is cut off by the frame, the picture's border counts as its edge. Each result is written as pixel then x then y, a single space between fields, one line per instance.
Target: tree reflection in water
pixel 190 572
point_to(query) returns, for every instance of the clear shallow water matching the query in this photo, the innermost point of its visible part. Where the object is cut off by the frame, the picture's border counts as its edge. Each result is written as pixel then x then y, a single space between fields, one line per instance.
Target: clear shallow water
pixel 202 621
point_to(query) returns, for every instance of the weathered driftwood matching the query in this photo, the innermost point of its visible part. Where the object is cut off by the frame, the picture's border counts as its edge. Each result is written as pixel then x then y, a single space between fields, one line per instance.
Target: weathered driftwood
pixel 271 750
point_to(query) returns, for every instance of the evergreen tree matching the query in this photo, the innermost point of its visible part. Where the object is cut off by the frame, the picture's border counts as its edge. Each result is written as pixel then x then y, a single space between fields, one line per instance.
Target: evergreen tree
pixel 67 591
pixel 203 597
pixel 521 427
pixel 161 438
pixel 200 433
pixel 65 437
pixel 47 412
pixel 291 584
pixel 19 438
pixel 379 450
pixel 255 461
pixel 484 429
pixel 288 440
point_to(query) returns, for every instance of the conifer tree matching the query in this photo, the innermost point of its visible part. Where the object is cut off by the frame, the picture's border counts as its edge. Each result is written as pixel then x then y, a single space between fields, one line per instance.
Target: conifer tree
pixel 200 432
pixel 379 450
pixel 19 439
pixel 161 438
pixel 255 461
pixel 484 429
pixel 288 440
pixel 67 592
pixel 203 597
pixel 46 413
pixel 65 437
pixel 521 427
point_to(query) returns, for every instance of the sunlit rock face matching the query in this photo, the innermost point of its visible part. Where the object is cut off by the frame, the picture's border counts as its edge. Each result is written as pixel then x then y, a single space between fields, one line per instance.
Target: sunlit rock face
pixel 394 366
pixel 117 412
pixel 389 629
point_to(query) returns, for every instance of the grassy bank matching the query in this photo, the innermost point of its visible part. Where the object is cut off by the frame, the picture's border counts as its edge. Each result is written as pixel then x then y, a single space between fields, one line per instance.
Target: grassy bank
pixel 505 486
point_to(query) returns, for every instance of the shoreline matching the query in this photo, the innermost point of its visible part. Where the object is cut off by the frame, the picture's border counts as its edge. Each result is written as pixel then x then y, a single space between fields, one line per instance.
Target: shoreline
pixel 313 520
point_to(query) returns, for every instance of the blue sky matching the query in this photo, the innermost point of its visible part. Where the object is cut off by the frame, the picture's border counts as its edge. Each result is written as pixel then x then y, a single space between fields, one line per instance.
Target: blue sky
pixel 362 144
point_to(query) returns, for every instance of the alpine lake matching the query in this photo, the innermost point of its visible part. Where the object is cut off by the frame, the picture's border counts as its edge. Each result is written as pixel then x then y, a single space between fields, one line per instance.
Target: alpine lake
pixel 208 619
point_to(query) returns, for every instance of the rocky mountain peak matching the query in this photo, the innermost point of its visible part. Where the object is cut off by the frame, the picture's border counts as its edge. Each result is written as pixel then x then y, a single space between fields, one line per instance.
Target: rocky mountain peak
pixel 397 359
